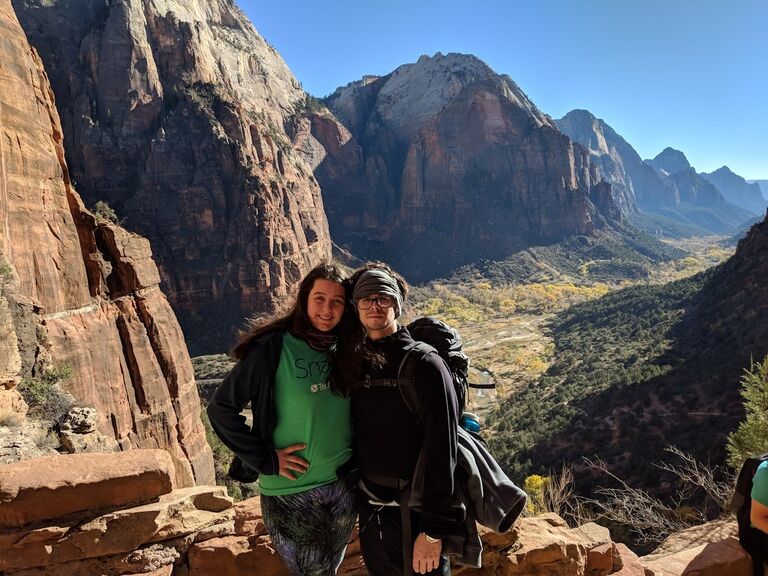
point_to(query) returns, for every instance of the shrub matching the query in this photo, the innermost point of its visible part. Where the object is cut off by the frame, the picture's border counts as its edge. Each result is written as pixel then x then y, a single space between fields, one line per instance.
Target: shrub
pixel 103 212
pixel 10 419
pixel 45 439
pixel 44 395
pixel 6 273
pixel 535 486
pixel 751 437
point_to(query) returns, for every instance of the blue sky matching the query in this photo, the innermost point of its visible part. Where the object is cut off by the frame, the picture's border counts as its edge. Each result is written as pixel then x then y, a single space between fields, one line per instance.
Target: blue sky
pixel 690 74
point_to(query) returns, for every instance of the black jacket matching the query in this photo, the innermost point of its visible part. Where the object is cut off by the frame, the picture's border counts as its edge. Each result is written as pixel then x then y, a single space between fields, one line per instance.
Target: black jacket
pixel 390 439
pixel 251 380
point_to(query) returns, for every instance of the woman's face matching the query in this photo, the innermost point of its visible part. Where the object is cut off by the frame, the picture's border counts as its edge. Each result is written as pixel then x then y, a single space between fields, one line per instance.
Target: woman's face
pixel 325 304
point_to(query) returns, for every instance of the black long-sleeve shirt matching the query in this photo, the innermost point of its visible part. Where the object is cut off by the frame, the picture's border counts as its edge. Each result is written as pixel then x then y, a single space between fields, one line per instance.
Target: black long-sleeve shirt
pixel 389 437
pixel 251 380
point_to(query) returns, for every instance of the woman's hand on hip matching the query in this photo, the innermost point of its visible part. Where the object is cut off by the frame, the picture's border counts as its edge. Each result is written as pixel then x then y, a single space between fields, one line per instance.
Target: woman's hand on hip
pixel 289 462
pixel 426 555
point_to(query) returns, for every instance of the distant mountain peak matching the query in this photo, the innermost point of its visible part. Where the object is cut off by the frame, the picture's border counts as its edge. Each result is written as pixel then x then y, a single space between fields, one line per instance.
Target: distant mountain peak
pixel 581 114
pixel 737 190
pixel 670 161
pixel 414 93
pixel 584 127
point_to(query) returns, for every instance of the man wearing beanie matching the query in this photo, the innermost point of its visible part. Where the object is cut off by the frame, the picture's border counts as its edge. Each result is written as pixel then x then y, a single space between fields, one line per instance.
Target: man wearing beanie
pixel 406 460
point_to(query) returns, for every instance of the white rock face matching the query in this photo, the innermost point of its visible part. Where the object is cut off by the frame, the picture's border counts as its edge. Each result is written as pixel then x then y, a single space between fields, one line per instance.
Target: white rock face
pixel 230 52
pixel 414 93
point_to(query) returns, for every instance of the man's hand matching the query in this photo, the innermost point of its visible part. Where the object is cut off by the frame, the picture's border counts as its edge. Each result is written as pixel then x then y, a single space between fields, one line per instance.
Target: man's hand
pixel 426 555
pixel 287 462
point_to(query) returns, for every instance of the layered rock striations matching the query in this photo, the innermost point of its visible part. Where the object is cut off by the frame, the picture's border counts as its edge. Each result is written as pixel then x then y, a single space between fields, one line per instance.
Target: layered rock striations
pixel 736 190
pixel 444 161
pixel 80 292
pixel 142 524
pixel 189 125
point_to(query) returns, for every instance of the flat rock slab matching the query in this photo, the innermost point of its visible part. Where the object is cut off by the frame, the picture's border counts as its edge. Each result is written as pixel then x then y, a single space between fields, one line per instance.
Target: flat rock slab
pixel 177 514
pixel 55 486
pixel 711 549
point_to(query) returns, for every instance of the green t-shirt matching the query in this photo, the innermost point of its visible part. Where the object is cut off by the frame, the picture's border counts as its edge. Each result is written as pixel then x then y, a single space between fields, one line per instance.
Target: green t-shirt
pixel 308 413
pixel 760 484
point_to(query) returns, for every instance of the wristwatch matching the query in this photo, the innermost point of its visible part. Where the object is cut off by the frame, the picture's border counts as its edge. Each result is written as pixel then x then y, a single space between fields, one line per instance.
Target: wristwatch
pixel 430 539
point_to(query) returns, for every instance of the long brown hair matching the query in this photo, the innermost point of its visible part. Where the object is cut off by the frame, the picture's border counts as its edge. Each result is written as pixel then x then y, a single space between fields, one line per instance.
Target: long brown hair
pixel 295 320
pixel 352 349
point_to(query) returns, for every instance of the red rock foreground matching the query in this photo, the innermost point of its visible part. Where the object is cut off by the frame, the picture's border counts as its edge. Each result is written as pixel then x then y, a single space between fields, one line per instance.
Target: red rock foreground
pixel 118 514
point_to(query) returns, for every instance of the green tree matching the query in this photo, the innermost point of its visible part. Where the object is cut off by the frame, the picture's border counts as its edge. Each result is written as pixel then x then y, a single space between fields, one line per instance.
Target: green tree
pixel 103 212
pixel 751 437
pixel 6 273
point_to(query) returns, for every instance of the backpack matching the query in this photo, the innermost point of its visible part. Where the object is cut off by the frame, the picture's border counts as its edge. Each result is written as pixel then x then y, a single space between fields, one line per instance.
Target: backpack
pixel 751 539
pixel 448 344
pixel 431 335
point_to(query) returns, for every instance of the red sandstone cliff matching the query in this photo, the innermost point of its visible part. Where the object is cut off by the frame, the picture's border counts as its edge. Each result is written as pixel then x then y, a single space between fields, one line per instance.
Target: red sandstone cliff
pixel 80 292
pixel 446 162
pixel 176 113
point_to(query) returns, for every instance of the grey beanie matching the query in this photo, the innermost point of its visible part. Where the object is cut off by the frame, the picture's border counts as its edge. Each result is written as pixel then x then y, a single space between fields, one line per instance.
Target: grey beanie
pixel 378 281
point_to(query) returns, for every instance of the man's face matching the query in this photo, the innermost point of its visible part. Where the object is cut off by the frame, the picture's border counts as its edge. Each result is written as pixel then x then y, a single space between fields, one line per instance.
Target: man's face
pixel 377 315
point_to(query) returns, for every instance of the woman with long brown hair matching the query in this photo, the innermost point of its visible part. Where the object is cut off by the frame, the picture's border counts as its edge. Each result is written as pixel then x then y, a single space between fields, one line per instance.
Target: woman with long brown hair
pixel 301 433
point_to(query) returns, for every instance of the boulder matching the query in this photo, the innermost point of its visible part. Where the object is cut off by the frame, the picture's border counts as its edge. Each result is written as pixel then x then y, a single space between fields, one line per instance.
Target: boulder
pixel 711 549
pixel 78 432
pixel 12 404
pixel 543 545
pixel 175 515
pixel 234 556
pixel 56 486
pixel 626 563
pixel 249 520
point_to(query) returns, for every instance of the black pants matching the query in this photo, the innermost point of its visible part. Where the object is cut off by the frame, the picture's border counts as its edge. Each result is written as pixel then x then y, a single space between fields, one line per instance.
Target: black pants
pixel 381 540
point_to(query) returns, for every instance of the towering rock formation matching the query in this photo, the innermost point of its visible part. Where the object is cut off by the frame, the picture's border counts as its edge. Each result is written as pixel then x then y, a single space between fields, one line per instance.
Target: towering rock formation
pixel 78 292
pixel 666 185
pixel 634 183
pixel 737 191
pixel 445 162
pixel 178 114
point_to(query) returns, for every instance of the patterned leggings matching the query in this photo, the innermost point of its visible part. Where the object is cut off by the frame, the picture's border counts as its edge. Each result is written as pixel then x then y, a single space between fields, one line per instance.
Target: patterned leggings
pixel 310 530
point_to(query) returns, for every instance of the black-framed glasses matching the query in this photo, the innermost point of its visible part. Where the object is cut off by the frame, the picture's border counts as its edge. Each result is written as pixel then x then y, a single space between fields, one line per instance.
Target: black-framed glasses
pixel 380 301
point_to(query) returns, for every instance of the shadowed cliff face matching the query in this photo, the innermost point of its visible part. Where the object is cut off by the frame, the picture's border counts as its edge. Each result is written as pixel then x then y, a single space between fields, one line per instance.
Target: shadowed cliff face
pixel 666 185
pixel 175 113
pixel 446 162
pixel 84 293
pixel 737 191
pixel 634 183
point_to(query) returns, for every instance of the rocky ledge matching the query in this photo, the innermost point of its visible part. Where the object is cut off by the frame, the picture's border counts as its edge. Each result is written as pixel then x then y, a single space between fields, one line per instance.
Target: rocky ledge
pixel 120 514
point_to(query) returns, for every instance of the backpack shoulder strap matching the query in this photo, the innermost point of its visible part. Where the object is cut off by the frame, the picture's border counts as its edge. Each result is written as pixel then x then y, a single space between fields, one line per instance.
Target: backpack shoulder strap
pixel 406 375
